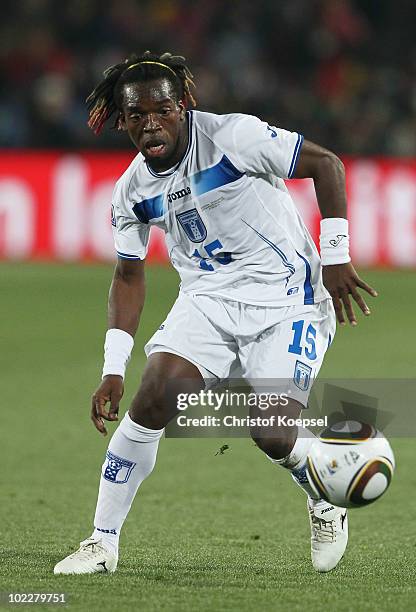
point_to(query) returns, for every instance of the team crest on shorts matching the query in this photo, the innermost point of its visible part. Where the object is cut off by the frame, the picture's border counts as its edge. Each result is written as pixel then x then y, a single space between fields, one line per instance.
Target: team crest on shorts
pixel 193 225
pixel 117 469
pixel 302 375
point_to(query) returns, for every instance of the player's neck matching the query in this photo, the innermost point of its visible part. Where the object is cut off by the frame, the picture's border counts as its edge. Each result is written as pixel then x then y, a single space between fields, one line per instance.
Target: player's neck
pixel 179 152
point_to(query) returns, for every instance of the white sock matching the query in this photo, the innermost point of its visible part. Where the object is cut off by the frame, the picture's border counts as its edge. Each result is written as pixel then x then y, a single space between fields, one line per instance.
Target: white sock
pixel 296 461
pixel 130 458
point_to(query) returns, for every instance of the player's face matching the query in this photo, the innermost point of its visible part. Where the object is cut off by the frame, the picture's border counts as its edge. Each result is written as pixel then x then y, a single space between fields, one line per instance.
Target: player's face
pixel 156 122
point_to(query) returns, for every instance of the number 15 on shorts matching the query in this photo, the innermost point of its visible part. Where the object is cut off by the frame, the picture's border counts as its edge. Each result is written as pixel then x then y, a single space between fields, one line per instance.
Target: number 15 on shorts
pixel 303 343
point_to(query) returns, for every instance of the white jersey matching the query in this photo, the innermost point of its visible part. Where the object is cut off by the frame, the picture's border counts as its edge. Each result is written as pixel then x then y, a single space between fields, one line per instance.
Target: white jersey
pixel 231 227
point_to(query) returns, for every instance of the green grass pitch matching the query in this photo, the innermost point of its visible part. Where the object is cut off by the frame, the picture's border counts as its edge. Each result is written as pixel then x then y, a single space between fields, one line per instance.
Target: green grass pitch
pixel 206 533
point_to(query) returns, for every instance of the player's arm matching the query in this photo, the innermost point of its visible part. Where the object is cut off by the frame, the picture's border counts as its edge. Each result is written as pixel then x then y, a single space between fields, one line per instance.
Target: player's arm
pixel 125 304
pixel 126 297
pixel 339 275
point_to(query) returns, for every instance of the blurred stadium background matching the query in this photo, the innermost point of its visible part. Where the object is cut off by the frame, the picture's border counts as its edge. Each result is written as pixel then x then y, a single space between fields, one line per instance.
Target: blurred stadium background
pixel 342 72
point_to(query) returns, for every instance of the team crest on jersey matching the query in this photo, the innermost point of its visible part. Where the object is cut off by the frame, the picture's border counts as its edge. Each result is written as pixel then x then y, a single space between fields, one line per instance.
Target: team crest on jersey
pixel 302 375
pixel 193 225
pixel 117 469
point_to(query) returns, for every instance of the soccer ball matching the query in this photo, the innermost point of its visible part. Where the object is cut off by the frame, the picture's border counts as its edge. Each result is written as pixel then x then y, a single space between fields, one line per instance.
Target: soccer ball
pixel 351 464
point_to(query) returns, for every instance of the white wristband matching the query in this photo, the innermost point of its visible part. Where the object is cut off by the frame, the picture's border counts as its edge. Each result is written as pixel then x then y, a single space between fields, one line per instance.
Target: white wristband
pixel 117 350
pixel 334 241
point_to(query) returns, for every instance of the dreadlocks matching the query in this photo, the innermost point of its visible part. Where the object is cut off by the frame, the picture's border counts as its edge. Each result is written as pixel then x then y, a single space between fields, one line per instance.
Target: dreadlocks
pixel 106 99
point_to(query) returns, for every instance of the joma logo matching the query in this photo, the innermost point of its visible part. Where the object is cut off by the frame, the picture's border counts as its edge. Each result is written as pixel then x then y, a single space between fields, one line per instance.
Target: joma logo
pixel 178 194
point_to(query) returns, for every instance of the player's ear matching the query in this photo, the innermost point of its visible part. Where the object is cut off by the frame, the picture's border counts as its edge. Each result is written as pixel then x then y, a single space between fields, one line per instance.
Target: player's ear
pixel 122 123
pixel 182 110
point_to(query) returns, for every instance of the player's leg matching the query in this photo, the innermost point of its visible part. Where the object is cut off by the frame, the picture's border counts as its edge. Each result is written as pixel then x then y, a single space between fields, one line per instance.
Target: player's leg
pixel 292 353
pixel 288 358
pixel 285 357
pixel 187 348
pixel 132 451
pixel 287 445
pixel 131 456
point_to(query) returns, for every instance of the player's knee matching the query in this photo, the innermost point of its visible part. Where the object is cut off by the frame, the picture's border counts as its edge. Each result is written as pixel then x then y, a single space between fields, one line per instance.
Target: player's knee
pixel 156 402
pixel 165 377
pixel 149 407
pixel 277 447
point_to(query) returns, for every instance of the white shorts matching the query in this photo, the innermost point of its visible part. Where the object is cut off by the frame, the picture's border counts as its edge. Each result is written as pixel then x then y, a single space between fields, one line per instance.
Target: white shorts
pixel 260 344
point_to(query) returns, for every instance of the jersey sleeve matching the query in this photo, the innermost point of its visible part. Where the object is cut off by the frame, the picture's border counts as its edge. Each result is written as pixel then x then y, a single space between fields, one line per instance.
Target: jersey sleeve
pixel 131 237
pixel 259 148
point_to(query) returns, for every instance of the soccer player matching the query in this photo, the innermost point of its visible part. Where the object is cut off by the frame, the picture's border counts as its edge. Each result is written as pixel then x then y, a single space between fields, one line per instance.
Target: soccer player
pixel 253 287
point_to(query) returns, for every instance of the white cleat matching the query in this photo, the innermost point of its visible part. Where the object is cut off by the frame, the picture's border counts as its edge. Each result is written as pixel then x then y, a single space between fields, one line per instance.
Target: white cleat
pixel 329 529
pixel 90 558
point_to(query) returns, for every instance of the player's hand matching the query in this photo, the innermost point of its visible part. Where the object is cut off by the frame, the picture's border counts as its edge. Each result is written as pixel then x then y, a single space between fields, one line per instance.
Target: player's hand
pixel 110 390
pixel 342 282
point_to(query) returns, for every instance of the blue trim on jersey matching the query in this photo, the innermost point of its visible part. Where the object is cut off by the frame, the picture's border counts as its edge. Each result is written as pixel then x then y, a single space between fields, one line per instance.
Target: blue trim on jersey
pixel 307 286
pixel 126 255
pixel 219 175
pixel 188 148
pixel 285 260
pixel 295 157
pixel 201 182
pixel 151 208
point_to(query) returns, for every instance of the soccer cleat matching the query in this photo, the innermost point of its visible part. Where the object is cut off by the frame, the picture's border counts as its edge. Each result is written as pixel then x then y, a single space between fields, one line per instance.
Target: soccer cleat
pixel 90 558
pixel 329 529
